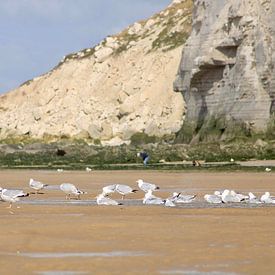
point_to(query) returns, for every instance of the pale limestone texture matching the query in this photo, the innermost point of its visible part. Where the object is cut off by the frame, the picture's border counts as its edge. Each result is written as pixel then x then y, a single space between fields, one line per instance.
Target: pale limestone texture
pixel 121 87
pixel 227 67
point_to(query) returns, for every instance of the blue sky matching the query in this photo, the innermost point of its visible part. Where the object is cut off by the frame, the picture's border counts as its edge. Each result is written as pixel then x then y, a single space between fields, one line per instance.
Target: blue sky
pixel 36 34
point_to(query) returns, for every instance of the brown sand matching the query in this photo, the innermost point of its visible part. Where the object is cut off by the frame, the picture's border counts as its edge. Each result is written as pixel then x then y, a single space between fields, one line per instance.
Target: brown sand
pixel 155 240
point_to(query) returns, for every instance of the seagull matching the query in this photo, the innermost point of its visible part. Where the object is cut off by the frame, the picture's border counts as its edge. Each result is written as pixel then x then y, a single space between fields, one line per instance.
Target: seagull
pixel 232 160
pixel 146 186
pixel 88 169
pixel 37 185
pixel 109 189
pixel 252 198
pixel 101 199
pixel 267 169
pixel 213 198
pixel 12 196
pixel 124 189
pixel 266 198
pixel 230 196
pixel 169 203
pixel 239 195
pixel 149 198
pixel 179 198
pixel 70 189
pixel 59 170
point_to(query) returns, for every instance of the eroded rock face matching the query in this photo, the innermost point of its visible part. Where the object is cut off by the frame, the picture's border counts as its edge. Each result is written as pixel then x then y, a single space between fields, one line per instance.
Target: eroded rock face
pixel 110 92
pixel 227 72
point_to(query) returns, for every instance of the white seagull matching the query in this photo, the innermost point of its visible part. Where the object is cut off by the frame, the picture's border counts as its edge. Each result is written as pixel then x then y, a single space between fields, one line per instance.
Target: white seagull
pixel 37 185
pixel 70 189
pixel 169 203
pixel 149 198
pixel 213 199
pixel 179 198
pixel 101 199
pixel 230 196
pixel 266 198
pixel 239 195
pixel 146 186
pixel 252 199
pixel 11 196
pixel 124 190
pixel 88 169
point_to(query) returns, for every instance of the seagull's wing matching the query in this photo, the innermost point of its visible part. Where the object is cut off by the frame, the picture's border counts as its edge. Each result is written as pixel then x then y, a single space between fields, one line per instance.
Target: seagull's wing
pixel 185 198
pixel 213 199
pixel 153 200
pixel 157 201
pixel 109 189
pixel 37 184
pixel 14 193
pixel 146 186
pixel 123 189
pixel 151 186
pixel 68 187
pixel 108 201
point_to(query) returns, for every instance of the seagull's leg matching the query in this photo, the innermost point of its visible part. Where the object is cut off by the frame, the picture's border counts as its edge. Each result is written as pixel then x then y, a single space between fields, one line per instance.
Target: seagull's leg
pixel 123 197
pixel 9 207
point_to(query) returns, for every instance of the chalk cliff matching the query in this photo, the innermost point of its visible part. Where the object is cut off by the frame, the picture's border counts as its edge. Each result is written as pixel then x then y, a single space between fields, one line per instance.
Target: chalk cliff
pixel 109 92
pixel 227 73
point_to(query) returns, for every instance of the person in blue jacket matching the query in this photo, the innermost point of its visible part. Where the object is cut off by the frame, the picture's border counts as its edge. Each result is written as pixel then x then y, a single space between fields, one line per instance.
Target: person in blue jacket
pixel 144 156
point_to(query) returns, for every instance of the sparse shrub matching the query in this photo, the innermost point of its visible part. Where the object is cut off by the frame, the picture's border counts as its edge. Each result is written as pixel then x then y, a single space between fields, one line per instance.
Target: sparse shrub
pixel 142 138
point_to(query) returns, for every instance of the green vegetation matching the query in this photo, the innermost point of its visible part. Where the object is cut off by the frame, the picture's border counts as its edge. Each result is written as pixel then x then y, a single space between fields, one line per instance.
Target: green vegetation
pixel 270 133
pixel 125 38
pixel 85 53
pixel 170 38
pixel 79 154
pixel 27 83
pixel 142 138
pixel 217 129
pixel 169 41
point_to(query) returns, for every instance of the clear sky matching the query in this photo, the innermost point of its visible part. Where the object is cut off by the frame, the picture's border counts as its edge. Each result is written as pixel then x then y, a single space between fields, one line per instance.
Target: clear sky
pixel 36 34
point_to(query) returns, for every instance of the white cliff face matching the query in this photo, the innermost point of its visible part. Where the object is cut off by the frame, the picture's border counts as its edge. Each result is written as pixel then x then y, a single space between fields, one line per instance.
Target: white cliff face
pixel 227 68
pixel 121 87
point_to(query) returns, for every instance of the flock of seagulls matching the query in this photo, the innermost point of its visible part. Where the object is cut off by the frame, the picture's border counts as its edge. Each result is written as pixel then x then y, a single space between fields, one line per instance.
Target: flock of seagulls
pixel 149 198
pixel 226 196
pixel 230 196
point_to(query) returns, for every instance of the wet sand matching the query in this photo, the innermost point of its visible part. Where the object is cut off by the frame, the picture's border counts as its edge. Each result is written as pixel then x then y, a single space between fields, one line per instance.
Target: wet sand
pixel 44 238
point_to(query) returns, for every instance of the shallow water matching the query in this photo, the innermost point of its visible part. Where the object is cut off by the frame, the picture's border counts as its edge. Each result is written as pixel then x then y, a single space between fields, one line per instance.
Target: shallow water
pixel 60 272
pixel 133 202
pixel 44 255
pixel 195 272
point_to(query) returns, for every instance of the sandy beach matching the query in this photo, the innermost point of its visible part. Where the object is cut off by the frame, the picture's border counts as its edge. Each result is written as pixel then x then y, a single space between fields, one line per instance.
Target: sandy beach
pixel 42 237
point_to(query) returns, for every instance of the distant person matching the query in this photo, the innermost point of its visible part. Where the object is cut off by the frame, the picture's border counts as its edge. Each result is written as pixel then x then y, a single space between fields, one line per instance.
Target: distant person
pixel 144 156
